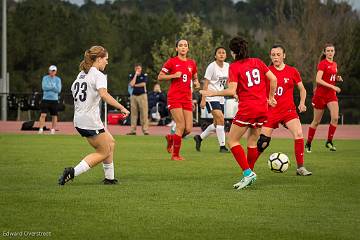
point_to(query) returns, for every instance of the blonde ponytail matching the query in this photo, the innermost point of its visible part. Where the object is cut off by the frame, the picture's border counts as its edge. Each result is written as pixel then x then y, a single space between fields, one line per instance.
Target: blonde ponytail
pixel 90 57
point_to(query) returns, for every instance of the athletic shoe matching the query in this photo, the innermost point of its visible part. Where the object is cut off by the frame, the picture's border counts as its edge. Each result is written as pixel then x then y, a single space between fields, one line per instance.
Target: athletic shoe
pixel 308 147
pixel 223 149
pixel 67 175
pixel 198 140
pixel 41 131
pixel 131 133
pixel 146 133
pixel 246 181
pixel 330 145
pixel 52 131
pixel 303 172
pixel 177 158
pixel 169 145
pixel 110 181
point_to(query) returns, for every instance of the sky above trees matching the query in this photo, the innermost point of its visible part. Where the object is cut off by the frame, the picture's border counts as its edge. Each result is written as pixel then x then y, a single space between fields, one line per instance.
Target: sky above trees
pixel 354 3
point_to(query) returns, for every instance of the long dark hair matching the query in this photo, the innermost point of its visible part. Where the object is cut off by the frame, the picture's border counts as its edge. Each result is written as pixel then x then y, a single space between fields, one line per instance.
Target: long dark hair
pixel 323 55
pixel 177 43
pixel 239 46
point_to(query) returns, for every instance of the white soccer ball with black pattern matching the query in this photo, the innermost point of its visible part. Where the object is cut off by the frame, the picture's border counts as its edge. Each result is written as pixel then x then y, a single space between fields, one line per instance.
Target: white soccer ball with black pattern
pixel 278 162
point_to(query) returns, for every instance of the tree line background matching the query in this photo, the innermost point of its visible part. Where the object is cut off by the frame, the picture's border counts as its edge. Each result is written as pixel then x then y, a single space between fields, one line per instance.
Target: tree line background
pixel 45 32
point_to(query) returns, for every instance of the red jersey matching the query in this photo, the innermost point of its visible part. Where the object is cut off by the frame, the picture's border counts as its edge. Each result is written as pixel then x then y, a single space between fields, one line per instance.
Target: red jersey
pixel 180 88
pixel 251 89
pixel 329 76
pixel 287 78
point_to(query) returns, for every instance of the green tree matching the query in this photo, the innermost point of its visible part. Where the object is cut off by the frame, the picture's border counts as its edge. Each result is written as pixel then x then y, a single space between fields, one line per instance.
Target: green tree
pixel 201 43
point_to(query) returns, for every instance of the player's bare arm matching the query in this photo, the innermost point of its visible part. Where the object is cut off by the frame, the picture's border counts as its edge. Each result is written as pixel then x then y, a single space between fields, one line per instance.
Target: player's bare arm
pixel 196 82
pixel 230 91
pixel 163 77
pixel 302 90
pixel 110 100
pixel 205 87
pixel 273 84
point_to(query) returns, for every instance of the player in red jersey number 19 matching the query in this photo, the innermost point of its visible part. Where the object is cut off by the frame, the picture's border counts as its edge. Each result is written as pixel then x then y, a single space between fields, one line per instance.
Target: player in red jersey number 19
pixel 248 79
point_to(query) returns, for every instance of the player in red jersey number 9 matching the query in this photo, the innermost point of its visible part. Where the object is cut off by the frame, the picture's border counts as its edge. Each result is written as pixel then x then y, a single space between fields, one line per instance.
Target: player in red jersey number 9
pixel 182 72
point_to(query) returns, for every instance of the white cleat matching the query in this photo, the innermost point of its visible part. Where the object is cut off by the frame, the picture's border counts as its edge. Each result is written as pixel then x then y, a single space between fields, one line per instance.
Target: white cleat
pixel 41 131
pixel 246 181
pixel 303 172
pixel 52 131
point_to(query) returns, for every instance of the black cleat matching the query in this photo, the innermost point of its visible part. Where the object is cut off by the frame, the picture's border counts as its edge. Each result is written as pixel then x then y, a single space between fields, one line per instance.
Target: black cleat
pixel 110 181
pixel 223 149
pixel 67 175
pixel 330 145
pixel 198 140
pixel 308 147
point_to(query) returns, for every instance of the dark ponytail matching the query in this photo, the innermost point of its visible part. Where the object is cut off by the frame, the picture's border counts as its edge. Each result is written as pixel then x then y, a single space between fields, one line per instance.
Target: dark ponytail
pixel 177 44
pixel 323 55
pixel 239 47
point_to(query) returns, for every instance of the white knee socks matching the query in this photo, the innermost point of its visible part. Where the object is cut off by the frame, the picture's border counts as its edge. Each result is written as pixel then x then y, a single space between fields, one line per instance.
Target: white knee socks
pixel 208 131
pixel 81 168
pixel 220 133
pixel 109 170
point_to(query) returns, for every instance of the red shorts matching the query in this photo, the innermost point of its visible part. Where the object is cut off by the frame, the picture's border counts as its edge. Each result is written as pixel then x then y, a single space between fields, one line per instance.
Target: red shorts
pixel 184 105
pixel 252 122
pixel 320 102
pixel 275 118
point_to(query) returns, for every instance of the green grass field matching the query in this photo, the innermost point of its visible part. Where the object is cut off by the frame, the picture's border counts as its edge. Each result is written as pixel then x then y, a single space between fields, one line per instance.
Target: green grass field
pixel 162 199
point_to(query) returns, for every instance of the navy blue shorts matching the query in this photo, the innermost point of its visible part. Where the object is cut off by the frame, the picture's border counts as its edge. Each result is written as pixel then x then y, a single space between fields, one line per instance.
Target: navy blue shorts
pixel 89 133
pixel 214 106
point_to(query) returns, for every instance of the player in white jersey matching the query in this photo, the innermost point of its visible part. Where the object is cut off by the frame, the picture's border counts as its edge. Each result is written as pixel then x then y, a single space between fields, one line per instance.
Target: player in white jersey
pixel 88 89
pixel 216 76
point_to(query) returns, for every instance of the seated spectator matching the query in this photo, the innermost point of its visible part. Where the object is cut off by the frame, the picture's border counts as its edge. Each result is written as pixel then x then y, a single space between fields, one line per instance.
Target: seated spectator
pixel 157 104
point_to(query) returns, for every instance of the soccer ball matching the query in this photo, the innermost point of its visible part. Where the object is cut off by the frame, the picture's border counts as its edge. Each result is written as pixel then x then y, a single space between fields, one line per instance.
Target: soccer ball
pixel 278 162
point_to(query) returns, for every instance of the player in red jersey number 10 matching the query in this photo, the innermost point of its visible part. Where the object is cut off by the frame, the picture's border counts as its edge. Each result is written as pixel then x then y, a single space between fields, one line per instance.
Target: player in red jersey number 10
pixel 285 111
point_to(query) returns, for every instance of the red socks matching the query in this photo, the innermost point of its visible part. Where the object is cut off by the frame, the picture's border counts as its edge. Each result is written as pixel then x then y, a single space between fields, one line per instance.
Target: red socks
pixel 240 156
pixel 252 155
pixel 299 151
pixel 311 134
pixel 177 144
pixel 332 129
